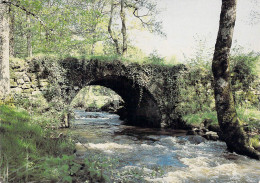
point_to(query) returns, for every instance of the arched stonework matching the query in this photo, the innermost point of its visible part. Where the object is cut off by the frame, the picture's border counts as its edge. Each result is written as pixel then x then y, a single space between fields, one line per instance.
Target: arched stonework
pixel 150 92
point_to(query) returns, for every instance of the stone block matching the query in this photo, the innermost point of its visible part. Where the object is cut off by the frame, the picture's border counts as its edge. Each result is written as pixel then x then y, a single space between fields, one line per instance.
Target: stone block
pixel 13 84
pixel 20 81
pixel 26 78
pixel 26 86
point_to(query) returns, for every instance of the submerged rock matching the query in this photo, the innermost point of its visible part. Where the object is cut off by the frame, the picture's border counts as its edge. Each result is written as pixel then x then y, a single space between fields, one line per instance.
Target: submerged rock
pixel 196 139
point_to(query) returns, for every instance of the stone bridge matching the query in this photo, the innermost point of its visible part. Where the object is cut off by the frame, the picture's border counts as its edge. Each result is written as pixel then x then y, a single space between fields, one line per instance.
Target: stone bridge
pixel 150 92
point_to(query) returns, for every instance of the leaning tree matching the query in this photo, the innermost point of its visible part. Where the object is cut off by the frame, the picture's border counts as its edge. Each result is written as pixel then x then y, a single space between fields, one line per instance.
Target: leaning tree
pixel 231 127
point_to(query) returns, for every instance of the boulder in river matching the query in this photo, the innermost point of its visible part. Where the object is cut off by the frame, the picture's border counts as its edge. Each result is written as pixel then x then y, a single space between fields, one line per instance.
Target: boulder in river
pixel 197 139
pixel 112 106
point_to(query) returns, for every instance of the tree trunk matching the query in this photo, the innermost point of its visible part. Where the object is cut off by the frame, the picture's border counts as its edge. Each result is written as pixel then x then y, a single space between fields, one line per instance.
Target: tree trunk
pixel 110 30
pixel 29 36
pixel 230 125
pixel 123 30
pixel 92 47
pixel 93 42
pixel 4 50
pixel 11 33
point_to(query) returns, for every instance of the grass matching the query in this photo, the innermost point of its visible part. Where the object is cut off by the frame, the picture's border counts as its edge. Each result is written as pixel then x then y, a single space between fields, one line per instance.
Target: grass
pixel 106 58
pixel 27 144
pixel 250 116
pixel 198 118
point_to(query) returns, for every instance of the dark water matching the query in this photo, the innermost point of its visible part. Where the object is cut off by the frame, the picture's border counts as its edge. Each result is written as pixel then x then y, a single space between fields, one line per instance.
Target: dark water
pixel 161 155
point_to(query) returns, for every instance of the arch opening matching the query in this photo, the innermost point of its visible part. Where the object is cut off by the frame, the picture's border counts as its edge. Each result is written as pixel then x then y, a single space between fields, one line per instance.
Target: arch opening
pixel 140 107
pixel 96 98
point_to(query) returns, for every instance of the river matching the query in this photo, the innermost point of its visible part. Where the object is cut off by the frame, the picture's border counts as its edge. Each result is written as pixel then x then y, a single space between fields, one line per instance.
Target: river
pixel 136 154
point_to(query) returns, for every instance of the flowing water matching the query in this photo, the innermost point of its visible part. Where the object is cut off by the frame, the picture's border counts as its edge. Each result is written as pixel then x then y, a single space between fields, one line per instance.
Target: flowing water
pixel 153 155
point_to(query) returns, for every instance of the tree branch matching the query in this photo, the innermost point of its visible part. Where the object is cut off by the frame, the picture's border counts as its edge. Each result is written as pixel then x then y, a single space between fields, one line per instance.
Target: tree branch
pixel 10 3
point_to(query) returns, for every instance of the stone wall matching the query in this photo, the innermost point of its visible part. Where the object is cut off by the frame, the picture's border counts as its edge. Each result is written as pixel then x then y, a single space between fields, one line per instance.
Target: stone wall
pixel 25 81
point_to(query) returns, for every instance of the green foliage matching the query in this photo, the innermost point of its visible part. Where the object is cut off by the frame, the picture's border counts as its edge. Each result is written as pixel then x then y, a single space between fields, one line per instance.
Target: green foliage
pixel 254 141
pixel 60 168
pixel 45 114
pixel 245 77
pixel 155 58
pixel 250 116
pixel 26 146
pixel 76 27
pixel 8 100
pixel 99 168
pixel 196 87
pixel 94 97
pixel 198 117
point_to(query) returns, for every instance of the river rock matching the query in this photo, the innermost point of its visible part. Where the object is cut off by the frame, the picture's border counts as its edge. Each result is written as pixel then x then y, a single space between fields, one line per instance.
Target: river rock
pixel 211 136
pixel 196 139
pixel 214 128
pixel 112 106
pixel 196 131
pixel 92 109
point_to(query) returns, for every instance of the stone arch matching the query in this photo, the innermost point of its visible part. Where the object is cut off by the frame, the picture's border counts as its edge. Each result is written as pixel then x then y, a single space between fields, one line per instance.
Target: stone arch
pixel 151 91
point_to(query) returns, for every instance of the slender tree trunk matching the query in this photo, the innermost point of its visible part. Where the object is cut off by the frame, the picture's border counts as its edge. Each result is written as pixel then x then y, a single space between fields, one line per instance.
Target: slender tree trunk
pixel 123 30
pixel 230 125
pixel 4 50
pixel 110 30
pixel 29 36
pixel 92 47
pixel 11 33
pixel 49 3
pixel 93 40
